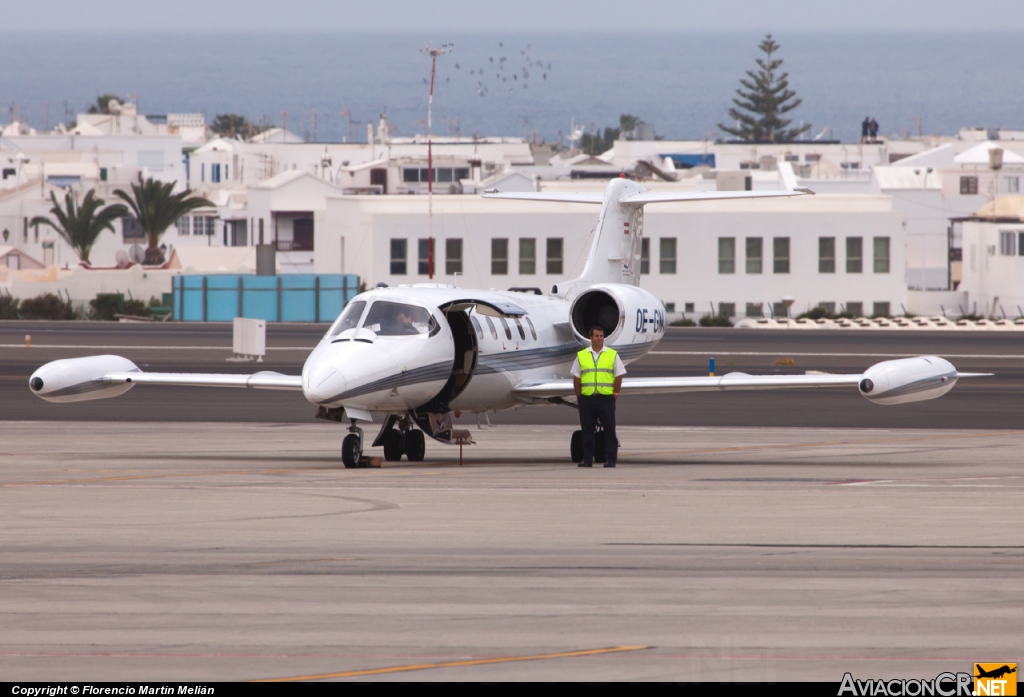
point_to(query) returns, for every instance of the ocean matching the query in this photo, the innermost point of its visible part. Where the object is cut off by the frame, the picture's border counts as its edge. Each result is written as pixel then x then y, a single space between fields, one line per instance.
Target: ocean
pixel 681 83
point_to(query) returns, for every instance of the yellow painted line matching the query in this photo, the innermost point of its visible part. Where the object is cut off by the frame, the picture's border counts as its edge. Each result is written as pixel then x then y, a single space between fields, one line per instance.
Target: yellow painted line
pixel 456 664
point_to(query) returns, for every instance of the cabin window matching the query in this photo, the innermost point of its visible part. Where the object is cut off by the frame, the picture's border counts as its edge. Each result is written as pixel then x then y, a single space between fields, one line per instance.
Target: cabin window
pixel 453 256
pixel 554 258
pixel 826 255
pixel 881 249
pixel 780 248
pixel 508 330
pixel 755 254
pixel 477 327
pixel 499 256
pixel 527 256
pixel 533 330
pixel 854 254
pixel 519 326
pixel 398 257
pixel 490 326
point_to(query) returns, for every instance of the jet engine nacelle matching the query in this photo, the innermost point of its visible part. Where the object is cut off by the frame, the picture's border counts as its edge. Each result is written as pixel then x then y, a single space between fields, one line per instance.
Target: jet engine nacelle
pixel 80 379
pixel 908 380
pixel 623 311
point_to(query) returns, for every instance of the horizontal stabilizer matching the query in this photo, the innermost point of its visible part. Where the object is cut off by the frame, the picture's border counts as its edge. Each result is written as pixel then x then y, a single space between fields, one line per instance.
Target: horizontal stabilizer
pixel 566 197
pixel 669 196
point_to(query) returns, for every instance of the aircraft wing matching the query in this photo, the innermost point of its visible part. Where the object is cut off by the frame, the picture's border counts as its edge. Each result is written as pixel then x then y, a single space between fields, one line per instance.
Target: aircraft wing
pixel 563 197
pixel 731 381
pixel 265 380
pixel 669 196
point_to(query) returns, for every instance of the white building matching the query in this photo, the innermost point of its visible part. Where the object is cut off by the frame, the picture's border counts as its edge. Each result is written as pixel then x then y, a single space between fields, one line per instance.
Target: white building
pixel 993 258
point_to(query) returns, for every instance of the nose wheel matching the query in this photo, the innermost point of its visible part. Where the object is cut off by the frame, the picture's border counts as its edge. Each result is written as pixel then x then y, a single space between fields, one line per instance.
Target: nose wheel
pixel 352 447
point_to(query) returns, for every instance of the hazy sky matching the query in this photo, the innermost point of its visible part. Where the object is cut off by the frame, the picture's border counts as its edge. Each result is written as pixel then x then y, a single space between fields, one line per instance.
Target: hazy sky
pixel 218 16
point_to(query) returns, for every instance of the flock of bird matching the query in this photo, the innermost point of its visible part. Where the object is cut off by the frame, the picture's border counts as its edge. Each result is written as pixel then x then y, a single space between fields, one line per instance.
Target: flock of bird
pixel 505 74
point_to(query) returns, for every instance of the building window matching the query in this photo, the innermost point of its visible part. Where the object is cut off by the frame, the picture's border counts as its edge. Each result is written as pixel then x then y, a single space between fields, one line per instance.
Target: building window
pixel 880 310
pixel 780 310
pixel 755 309
pixel 1010 184
pixel 499 256
pixel 727 309
pixel 688 307
pixel 554 255
pixel 527 256
pixel 968 185
pixel 453 256
pixel 829 308
pixel 670 307
pixel 1008 244
pixel 131 228
pixel 755 254
pixel 423 257
pixel 881 249
pixel 726 255
pixel 855 309
pixel 183 225
pixel 854 254
pixel 398 257
pixel 410 175
pixel 202 172
pixel 826 255
pixel 780 254
pixel 103 174
pixel 1020 243
pixel 645 256
pixel 667 255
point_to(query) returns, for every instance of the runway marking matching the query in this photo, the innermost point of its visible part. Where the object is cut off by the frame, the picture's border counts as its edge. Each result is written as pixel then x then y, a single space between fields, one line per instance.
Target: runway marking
pixel 229 349
pixel 820 354
pixel 7 485
pixel 456 664
pixel 780 545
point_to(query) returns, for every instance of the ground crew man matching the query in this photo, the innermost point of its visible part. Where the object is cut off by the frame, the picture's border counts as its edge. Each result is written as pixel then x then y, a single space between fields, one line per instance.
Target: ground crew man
pixel 597 377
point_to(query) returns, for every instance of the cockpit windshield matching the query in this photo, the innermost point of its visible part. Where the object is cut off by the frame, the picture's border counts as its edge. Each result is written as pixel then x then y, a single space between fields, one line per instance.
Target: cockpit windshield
pixel 398 319
pixel 349 319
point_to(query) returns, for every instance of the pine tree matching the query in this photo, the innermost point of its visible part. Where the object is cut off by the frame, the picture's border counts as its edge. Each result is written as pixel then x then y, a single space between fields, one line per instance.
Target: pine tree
pixel 767 97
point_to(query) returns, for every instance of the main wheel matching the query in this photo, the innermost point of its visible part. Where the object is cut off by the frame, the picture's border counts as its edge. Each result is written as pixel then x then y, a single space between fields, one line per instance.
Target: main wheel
pixel 600 454
pixel 415 445
pixel 576 447
pixel 394 446
pixel 351 451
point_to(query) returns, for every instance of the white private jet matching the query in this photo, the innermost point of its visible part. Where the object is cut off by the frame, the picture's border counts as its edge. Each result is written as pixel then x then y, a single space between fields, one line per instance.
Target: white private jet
pixel 415 354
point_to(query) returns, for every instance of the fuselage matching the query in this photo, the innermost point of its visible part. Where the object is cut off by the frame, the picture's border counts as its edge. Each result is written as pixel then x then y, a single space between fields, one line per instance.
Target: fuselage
pixel 397 349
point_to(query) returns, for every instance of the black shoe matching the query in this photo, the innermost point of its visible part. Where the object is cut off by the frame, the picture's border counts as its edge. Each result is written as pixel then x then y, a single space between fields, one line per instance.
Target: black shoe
pixel 609 464
pixel 585 464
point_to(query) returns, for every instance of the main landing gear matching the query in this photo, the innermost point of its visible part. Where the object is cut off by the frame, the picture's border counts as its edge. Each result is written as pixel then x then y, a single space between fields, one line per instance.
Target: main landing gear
pixel 410 443
pixel 576 447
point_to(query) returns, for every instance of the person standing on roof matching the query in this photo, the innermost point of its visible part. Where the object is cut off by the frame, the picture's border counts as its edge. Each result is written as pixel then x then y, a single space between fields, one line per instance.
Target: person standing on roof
pixel 597 378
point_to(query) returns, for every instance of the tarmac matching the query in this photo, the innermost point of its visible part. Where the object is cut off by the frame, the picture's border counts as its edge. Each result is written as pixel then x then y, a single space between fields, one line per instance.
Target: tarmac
pixel 244 551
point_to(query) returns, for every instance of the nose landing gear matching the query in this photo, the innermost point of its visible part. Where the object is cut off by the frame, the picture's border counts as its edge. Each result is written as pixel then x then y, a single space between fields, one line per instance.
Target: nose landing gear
pixel 352 447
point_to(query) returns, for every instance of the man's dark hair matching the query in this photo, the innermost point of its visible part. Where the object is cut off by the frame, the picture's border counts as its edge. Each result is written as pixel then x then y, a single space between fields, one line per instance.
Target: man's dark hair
pixel 595 328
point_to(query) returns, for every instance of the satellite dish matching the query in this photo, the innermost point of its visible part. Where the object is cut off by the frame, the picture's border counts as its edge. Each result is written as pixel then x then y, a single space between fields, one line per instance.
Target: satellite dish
pixel 136 253
pixel 122 259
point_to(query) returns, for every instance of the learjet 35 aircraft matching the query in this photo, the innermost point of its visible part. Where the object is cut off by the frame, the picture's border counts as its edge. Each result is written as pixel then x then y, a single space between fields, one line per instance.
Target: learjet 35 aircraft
pixel 415 354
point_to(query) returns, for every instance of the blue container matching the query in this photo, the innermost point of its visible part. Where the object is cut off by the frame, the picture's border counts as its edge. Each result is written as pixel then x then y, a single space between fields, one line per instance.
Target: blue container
pixel 281 298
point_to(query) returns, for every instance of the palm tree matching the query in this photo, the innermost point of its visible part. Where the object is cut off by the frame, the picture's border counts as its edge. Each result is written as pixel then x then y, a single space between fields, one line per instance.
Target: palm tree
pixel 156 208
pixel 80 225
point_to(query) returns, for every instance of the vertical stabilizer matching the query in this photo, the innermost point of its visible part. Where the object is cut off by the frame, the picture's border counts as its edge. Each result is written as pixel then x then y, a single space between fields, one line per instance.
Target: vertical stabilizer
pixel 618 237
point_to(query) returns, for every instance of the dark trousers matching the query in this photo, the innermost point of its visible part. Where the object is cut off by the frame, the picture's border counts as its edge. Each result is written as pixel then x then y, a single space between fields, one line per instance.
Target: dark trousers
pixel 598 407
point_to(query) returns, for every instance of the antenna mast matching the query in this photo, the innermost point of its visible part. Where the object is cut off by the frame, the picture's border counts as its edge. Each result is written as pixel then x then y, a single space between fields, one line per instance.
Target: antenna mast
pixel 434 53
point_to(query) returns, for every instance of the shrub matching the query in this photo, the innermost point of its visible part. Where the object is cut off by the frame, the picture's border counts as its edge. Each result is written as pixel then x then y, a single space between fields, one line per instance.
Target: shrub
pixel 105 305
pixel 136 308
pixel 8 307
pixel 816 313
pixel 715 321
pixel 47 306
pixel 684 322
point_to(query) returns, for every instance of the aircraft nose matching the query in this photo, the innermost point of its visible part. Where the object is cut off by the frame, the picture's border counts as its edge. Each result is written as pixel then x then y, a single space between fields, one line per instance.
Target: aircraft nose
pixel 351 366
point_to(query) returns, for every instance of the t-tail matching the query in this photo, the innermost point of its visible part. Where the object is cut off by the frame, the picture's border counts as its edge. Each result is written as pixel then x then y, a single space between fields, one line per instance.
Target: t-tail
pixel 618 236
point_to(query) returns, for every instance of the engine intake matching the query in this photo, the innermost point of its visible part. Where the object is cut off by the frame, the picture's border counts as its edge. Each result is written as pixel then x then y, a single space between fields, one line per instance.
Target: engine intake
pixel 596 308
pixel 80 379
pixel 908 380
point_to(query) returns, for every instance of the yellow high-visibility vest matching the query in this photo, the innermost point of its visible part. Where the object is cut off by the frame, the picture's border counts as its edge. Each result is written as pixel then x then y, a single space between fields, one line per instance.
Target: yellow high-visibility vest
pixel 598 378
